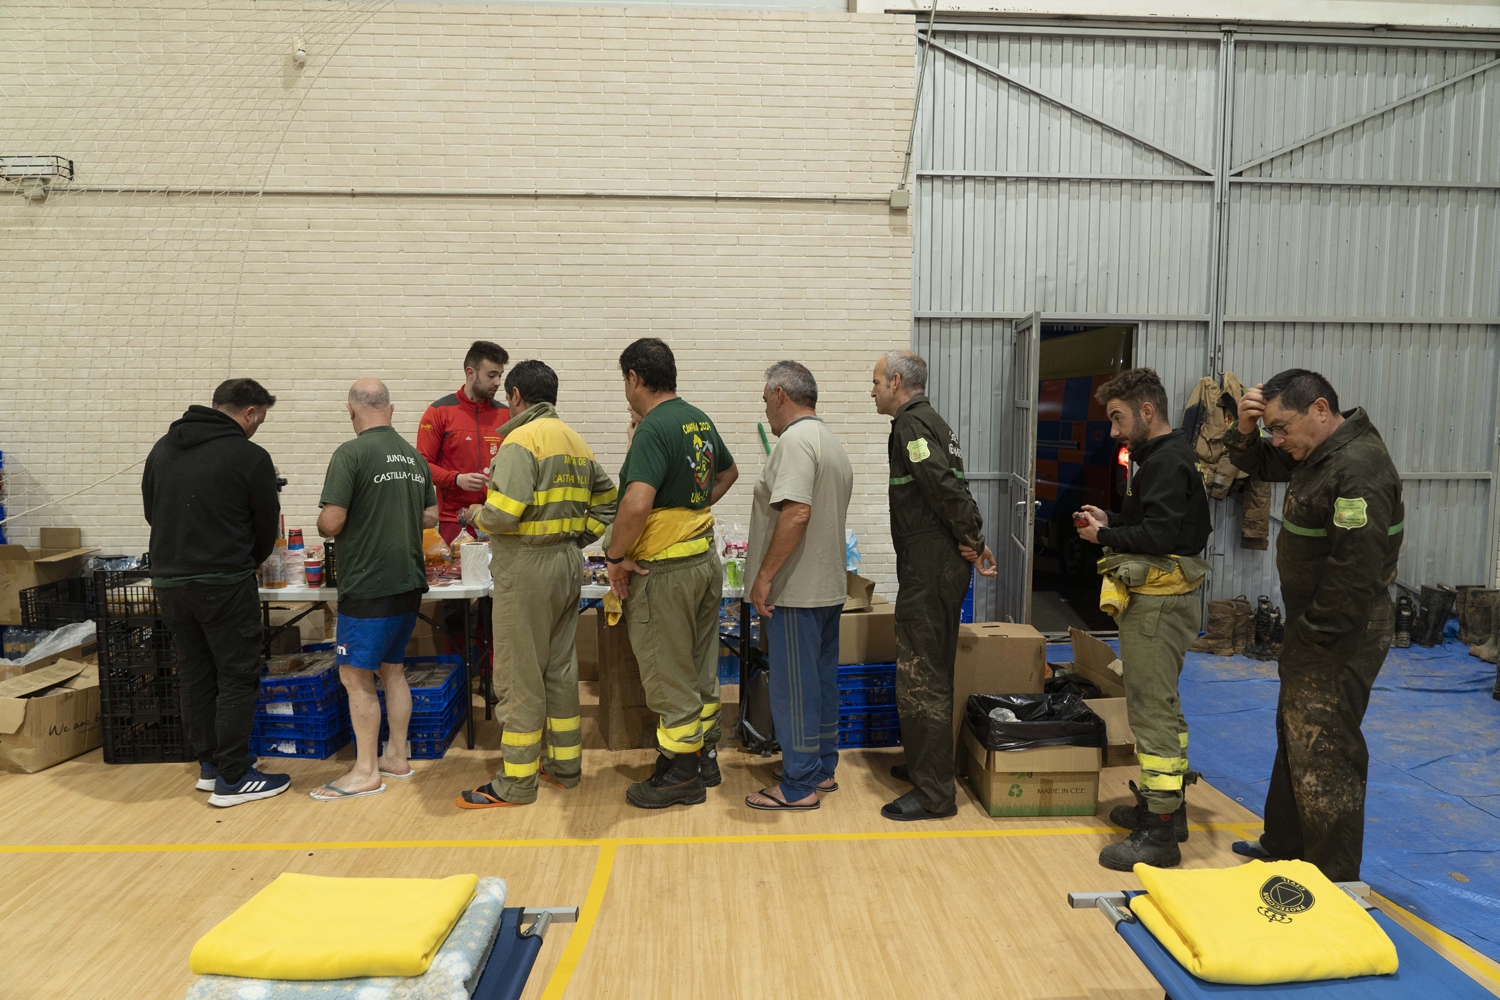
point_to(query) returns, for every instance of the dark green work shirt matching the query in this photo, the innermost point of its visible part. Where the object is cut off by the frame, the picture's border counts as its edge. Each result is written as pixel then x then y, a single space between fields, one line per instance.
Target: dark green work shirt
pixel 677 450
pixel 385 485
pixel 929 493
pixel 1341 525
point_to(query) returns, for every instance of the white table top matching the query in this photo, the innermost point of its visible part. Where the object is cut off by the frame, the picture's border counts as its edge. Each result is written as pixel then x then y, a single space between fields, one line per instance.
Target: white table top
pixel 446 592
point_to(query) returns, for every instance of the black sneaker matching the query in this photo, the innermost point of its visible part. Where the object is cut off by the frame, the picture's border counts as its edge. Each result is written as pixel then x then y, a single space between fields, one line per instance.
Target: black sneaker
pixel 676 782
pixel 708 767
pixel 252 786
pixel 1152 844
pixel 1129 817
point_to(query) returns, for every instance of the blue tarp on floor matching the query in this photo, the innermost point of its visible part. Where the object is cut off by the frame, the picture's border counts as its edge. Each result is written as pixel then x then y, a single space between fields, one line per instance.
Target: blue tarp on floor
pixel 1432 832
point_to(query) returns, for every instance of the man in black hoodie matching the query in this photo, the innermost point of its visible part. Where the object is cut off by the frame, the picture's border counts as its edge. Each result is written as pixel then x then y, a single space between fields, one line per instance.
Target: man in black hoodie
pixel 1153 543
pixel 210 497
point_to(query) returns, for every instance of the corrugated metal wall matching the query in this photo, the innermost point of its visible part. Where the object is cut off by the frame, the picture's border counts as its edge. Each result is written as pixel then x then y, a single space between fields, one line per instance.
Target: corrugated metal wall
pixel 1074 171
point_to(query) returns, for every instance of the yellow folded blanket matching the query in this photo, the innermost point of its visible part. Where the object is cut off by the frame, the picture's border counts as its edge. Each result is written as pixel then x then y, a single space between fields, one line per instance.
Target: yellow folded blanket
pixel 1261 923
pixel 308 927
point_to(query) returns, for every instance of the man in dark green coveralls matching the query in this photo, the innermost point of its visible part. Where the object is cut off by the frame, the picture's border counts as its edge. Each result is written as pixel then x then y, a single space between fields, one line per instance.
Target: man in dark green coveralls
pixel 1341 531
pixel 937 532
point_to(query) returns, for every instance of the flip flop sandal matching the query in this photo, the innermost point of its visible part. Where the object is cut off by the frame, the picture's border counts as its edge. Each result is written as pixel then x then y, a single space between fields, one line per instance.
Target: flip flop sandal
pixel 780 777
pixel 779 806
pixel 339 794
pixel 400 777
pixel 482 800
pixel 551 780
pixel 908 808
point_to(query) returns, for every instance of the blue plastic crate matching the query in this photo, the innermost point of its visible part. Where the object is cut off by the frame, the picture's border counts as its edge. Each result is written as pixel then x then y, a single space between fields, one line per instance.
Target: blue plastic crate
pixel 853 697
pixel 437 695
pixel 867 675
pixel 426 747
pixel 313 727
pixel 887 737
pixel 285 707
pixel 428 725
pixel 966 611
pixel 869 717
pixel 303 686
pixel 311 749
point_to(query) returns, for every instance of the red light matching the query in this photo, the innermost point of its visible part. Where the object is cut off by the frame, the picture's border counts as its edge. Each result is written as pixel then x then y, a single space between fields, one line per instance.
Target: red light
pixel 1124 457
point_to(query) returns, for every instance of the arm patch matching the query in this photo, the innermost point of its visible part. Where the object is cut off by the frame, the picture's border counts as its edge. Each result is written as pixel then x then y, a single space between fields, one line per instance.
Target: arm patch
pixel 917 450
pixel 1350 513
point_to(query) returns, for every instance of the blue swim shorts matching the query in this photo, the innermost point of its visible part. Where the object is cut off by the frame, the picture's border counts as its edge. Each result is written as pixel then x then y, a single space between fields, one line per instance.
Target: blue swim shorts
pixel 368 642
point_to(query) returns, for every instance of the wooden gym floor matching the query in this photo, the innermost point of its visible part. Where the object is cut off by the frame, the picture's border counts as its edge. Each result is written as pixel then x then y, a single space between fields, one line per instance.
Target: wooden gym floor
pixel 109 874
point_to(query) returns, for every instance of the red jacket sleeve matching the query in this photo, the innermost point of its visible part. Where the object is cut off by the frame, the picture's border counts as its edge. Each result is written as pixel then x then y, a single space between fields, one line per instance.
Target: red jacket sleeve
pixel 430 444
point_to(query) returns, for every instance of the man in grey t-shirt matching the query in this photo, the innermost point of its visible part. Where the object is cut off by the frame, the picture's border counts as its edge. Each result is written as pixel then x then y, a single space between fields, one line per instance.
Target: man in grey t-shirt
pixel 795 567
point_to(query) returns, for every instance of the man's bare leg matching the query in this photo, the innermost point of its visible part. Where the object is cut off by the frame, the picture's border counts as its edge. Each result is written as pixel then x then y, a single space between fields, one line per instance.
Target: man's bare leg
pixel 364 711
pixel 398 714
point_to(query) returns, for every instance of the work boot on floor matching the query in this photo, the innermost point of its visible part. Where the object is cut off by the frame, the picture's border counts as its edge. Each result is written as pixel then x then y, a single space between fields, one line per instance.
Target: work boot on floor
pixel 1476 624
pixel 1406 620
pixel 1278 635
pixel 1461 610
pixel 1218 639
pixel 1152 844
pixel 1260 644
pixel 1489 651
pixel 708 767
pixel 1244 624
pixel 1129 817
pixel 676 781
pixel 1433 614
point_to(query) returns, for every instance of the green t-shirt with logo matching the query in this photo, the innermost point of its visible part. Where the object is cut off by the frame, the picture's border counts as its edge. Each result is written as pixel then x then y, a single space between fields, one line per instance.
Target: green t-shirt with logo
pixel 385 485
pixel 677 450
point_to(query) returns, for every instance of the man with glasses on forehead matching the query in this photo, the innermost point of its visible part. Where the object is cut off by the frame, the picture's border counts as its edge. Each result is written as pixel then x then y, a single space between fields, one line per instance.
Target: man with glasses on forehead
pixel 1341 530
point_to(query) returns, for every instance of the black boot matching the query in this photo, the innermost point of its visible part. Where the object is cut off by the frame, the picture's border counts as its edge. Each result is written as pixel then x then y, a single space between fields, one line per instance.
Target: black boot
pixel 1129 817
pixel 1406 620
pixel 708 767
pixel 676 781
pixel 1476 625
pixel 1260 644
pixel 1153 844
pixel 1435 610
pixel 1278 634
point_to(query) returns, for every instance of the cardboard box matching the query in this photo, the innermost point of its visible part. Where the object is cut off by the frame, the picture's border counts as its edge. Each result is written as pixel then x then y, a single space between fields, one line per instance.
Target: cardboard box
pixel 1091 660
pixel 624 720
pixel 48 716
pixel 588 645
pixel 83 654
pixel 996 658
pixel 59 557
pixel 868 636
pixel 860 592
pixel 1051 781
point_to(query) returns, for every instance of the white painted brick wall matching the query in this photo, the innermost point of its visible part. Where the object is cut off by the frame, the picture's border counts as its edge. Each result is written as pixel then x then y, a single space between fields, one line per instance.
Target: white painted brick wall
pixel 118 310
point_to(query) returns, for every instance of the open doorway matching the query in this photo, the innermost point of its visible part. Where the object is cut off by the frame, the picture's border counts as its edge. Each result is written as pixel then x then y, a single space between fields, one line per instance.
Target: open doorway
pixel 1076 463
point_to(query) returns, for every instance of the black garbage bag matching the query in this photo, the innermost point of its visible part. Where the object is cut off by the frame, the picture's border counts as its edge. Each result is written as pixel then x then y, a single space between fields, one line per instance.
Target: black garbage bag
pixel 1042 720
pixel 1064 681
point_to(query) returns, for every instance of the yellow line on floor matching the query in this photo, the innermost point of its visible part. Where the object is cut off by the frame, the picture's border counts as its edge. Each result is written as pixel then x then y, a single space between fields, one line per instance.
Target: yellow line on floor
pixel 745 838
pixel 579 939
pixel 1479 964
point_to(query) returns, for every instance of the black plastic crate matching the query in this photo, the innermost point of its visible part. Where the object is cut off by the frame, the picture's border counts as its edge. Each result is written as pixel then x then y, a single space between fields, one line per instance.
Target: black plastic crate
pixel 128 741
pixel 125 594
pixel 53 605
pixel 130 629
pixel 143 694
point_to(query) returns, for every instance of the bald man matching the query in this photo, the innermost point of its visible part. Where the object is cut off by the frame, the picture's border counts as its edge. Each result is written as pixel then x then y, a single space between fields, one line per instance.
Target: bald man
pixel 377 498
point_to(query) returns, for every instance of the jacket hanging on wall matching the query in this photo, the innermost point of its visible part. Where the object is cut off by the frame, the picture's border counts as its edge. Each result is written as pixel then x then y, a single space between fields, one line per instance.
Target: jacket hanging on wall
pixel 1213 409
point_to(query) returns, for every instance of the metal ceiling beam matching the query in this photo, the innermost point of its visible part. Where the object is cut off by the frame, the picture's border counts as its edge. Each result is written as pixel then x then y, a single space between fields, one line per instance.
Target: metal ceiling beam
pixel 1065 105
pixel 1035 175
pixel 1409 98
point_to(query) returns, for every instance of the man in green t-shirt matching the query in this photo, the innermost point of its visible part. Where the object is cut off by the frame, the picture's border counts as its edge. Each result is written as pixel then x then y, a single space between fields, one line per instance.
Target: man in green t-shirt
pixel 663 565
pixel 377 499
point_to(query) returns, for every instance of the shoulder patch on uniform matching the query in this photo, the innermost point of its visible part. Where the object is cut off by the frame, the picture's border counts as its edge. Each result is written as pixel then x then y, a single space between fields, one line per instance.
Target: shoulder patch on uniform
pixel 917 450
pixel 1350 513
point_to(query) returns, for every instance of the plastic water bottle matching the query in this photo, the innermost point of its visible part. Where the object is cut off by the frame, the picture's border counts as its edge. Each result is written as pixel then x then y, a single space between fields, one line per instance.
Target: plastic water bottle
pixel 851 551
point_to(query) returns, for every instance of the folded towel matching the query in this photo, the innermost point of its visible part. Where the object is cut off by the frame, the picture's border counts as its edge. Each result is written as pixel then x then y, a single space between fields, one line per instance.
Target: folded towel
pixel 453 975
pixel 1261 923
pixel 309 927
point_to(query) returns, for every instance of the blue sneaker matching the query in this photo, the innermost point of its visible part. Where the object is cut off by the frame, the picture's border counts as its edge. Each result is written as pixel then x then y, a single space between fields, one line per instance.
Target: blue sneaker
pixel 252 786
pixel 208 775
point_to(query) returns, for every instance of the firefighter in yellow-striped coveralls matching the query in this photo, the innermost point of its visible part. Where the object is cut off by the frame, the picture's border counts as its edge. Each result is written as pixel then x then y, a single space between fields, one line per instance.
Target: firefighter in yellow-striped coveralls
pixel 548 498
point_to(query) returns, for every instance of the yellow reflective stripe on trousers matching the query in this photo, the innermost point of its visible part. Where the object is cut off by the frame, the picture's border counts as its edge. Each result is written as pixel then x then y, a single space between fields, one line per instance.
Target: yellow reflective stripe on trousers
pixel 1161 782
pixel 578 493
pixel 710 710
pixel 515 508
pixel 1182 740
pixel 522 770
pixel 565 753
pixel 521 739
pixel 681 739
pixel 564 725
pixel 1162 765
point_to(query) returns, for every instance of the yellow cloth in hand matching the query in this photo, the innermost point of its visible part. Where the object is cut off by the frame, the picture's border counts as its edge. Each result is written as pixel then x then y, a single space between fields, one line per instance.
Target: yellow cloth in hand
pixel 310 927
pixel 1261 923
pixel 613 609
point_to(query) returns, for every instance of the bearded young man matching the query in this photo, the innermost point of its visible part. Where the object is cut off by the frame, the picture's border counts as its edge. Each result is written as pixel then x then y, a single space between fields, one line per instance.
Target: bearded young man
pixel 1152 543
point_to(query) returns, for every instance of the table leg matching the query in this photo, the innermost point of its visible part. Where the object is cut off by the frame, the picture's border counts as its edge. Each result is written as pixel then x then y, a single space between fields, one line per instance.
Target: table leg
pixel 469 671
pixel 265 630
pixel 744 664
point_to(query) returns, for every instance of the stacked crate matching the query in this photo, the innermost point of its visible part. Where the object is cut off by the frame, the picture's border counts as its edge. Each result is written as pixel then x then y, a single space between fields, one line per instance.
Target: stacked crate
pixel 303 708
pixel 437 705
pixel 867 705
pixel 140 698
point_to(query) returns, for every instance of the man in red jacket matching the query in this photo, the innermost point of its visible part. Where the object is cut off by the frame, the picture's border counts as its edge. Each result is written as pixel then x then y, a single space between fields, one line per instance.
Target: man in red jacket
pixel 460 434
